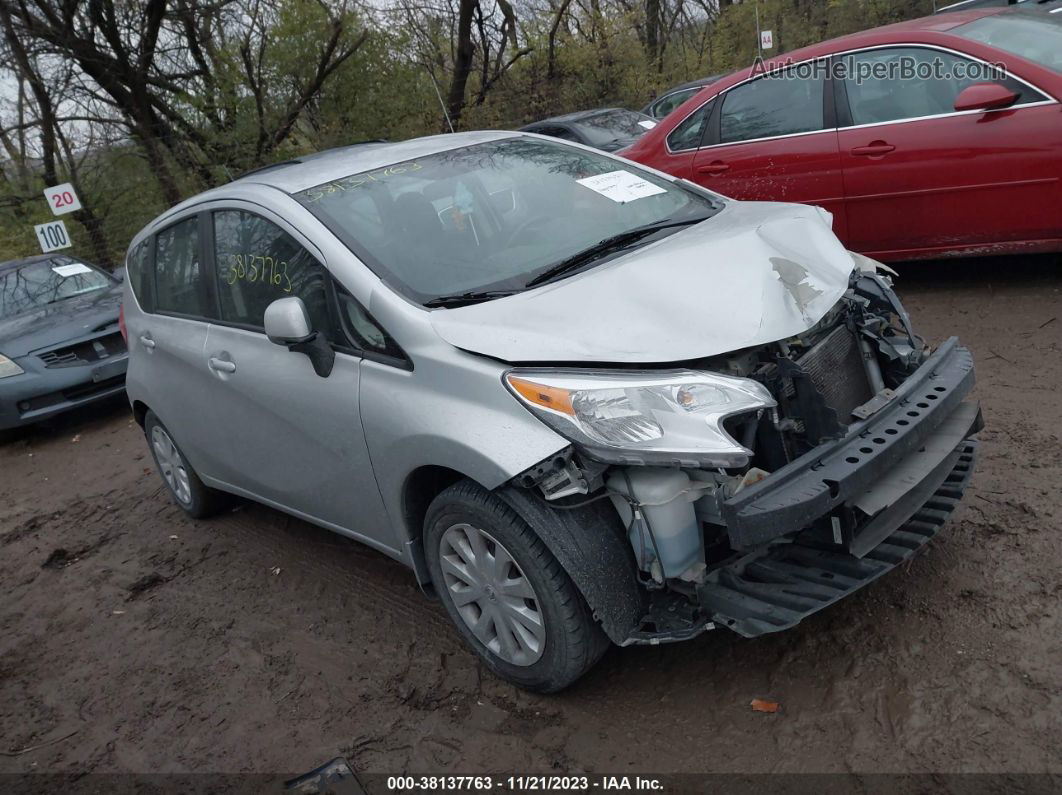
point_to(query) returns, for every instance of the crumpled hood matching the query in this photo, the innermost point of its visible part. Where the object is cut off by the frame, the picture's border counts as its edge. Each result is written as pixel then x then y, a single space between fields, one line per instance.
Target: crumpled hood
pixel 56 323
pixel 754 273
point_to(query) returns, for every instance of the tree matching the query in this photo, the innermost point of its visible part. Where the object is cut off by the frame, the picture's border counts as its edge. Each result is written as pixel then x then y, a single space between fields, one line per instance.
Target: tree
pixel 167 73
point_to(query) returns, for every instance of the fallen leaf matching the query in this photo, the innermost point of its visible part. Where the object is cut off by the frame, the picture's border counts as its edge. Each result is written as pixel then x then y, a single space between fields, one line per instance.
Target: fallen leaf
pixel 759 705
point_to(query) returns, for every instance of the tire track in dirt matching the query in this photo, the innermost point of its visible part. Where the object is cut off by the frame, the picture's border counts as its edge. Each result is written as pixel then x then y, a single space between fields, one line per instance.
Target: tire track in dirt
pixel 373 580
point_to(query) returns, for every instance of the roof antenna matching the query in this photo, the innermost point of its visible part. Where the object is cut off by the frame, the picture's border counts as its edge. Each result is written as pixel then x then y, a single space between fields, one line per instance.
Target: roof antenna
pixel 439 95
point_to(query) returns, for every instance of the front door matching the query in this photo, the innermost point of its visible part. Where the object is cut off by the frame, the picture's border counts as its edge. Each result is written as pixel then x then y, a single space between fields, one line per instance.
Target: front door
pixel 773 139
pixel 921 178
pixel 293 438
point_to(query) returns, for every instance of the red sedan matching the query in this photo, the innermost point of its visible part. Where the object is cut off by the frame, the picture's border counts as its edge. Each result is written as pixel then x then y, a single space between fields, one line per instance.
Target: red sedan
pixel 934 137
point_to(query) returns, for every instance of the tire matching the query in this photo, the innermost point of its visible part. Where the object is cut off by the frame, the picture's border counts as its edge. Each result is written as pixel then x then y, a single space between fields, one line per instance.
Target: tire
pixel 496 604
pixel 188 491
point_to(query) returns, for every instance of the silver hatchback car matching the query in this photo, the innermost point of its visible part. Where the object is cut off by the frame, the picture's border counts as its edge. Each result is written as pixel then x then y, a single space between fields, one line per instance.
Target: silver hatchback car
pixel 584 401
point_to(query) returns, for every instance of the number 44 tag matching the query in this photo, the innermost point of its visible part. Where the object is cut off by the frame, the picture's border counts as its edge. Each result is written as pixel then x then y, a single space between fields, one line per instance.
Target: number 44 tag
pixel 62 199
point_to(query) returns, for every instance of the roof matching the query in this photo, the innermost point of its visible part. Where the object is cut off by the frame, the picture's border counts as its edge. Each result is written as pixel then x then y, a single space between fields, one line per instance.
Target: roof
pixel 579 115
pixel 692 84
pixel 888 33
pixel 292 176
pixel 305 172
pixel 928 29
pixel 18 263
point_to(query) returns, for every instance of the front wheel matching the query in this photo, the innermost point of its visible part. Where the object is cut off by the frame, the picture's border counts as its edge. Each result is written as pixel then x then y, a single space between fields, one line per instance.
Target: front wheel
pixel 509 597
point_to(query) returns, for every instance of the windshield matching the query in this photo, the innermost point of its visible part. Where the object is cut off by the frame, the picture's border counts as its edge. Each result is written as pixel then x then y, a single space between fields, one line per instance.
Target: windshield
pixel 492 216
pixel 45 282
pixel 613 125
pixel 1030 34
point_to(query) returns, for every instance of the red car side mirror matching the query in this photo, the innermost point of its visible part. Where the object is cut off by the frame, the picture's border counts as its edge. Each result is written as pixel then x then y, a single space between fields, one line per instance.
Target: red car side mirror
pixel 985 96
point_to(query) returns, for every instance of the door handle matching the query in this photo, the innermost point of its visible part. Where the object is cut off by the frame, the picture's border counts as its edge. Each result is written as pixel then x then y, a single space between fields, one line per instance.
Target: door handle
pixel 873 149
pixel 221 365
pixel 715 167
pixel 146 341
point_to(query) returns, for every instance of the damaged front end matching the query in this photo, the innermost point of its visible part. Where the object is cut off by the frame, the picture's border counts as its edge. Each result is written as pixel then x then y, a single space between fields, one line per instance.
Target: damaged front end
pixel 760 486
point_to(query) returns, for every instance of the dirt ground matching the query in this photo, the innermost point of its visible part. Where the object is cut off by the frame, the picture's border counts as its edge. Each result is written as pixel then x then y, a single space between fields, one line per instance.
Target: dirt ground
pixel 256 642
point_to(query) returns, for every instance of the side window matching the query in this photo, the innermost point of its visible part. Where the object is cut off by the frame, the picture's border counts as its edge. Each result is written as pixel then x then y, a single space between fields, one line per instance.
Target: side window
pixel 257 263
pixel 671 101
pixel 365 332
pixel 910 82
pixel 179 285
pixel 770 106
pixel 137 269
pixel 559 132
pixel 688 134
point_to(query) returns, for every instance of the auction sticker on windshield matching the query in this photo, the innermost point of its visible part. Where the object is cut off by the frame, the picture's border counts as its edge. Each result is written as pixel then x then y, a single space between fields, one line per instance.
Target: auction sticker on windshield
pixel 621 186
pixel 71 270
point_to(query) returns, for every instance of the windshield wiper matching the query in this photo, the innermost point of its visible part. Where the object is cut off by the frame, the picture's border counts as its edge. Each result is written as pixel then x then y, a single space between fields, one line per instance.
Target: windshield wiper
pixel 464 299
pixel 607 246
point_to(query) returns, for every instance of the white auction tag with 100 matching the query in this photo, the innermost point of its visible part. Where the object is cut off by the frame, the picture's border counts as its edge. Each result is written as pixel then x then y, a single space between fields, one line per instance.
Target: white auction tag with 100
pixel 52 236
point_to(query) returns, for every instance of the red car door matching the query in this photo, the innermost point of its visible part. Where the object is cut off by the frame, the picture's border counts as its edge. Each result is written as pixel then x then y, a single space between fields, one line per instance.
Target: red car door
pixel 772 138
pixel 922 179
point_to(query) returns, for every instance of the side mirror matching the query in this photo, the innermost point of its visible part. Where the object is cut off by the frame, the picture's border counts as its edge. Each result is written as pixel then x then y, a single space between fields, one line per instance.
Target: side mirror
pixel 985 96
pixel 287 323
pixel 119 273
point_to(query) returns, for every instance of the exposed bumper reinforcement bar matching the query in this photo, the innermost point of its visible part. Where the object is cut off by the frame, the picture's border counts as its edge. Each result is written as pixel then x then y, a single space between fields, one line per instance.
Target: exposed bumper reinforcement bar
pixel 842 471
pixel 773 589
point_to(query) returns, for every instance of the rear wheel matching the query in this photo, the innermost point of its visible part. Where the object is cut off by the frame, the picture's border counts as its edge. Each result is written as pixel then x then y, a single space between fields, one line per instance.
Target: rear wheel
pixel 509 597
pixel 187 490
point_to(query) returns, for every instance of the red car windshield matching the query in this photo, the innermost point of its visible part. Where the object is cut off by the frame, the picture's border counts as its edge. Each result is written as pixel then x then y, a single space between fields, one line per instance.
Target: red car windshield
pixel 1035 35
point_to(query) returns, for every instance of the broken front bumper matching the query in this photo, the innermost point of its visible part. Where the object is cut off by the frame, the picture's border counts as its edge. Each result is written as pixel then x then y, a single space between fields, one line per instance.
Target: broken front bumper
pixel 902 470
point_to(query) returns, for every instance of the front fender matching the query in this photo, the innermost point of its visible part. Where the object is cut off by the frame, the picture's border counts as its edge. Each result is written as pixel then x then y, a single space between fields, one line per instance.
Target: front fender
pixel 590 543
pixel 453 414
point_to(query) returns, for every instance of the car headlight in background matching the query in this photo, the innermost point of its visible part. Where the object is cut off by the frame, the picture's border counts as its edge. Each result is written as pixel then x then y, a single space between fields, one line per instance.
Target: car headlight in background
pixel 640 418
pixel 8 367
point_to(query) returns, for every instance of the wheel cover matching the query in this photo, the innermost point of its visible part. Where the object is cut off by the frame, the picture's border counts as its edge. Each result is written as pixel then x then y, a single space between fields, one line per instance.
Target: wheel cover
pixel 171 465
pixel 492 595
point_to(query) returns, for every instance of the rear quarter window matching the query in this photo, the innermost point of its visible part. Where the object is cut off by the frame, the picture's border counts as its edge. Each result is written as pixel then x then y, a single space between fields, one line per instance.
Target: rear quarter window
pixel 689 133
pixel 138 273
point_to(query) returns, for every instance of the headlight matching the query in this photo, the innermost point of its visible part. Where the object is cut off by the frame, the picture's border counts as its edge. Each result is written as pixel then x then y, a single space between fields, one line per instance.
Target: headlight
pixel 8 367
pixel 674 417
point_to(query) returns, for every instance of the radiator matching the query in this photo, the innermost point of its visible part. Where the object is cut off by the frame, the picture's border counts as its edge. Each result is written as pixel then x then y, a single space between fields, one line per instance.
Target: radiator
pixel 835 367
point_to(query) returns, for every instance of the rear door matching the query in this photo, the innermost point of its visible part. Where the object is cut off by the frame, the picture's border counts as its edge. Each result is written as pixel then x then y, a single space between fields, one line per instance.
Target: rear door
pixel 294 439
pixel 773 138
pixel 922 178
pixel 167 340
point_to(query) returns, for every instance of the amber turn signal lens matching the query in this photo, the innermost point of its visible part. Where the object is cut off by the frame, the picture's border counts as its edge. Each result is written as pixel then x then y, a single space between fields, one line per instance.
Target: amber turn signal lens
pixel 549 397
